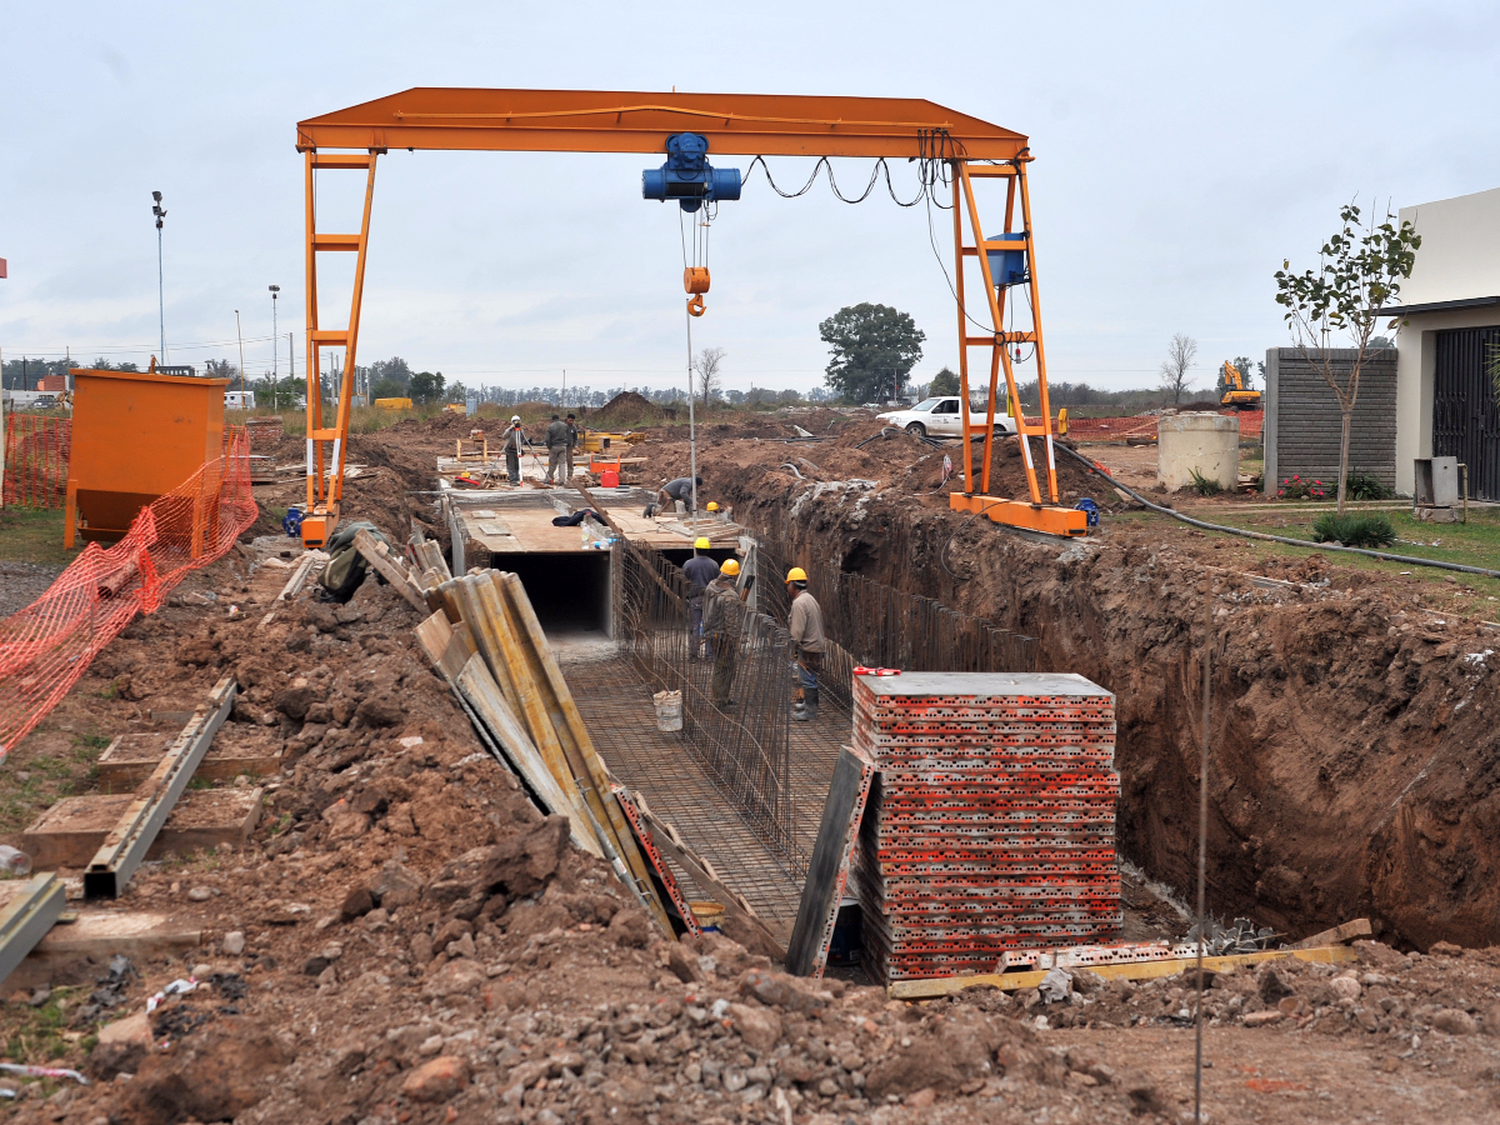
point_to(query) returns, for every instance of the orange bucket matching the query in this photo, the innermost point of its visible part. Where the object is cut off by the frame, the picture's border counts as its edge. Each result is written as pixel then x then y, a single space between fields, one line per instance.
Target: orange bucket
pixel 609 479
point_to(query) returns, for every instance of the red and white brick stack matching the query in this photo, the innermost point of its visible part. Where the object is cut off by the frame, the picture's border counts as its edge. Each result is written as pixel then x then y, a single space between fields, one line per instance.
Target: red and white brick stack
pixel 991 821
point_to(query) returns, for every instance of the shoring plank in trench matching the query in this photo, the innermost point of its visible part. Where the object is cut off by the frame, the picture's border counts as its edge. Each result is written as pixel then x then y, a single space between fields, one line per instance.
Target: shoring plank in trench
pixel 616 707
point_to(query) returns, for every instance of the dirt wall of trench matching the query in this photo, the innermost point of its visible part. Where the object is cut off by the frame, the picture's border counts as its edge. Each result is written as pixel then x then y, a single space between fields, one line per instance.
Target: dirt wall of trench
pixel 1354 760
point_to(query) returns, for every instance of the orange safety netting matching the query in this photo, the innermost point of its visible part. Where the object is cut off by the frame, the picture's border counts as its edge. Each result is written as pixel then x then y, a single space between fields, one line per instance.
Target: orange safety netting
pixel 36 460
pixel 47 646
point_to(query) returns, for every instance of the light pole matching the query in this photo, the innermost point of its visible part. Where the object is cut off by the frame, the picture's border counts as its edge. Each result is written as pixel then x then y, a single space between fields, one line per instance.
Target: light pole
pixel 240 336
pixel 161 309
pixel 275 290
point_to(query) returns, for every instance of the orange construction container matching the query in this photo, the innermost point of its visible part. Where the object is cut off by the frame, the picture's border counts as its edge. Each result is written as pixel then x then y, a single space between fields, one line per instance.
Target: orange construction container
pixel 136 436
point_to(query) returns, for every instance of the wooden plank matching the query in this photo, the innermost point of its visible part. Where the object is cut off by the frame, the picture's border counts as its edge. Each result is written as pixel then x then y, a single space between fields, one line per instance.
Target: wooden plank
pixel 591 774
pixel 74 829
pixel 1358 928
pixel 126 846
pixel 388 567
pixel 300 571
pixel 735 906
pixel 479 688
pixel 1126 970
pixel 828 871
pixel 131 758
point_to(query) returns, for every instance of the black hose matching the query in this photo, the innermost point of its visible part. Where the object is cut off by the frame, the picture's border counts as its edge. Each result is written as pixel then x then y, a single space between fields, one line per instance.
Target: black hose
pixel 1385 556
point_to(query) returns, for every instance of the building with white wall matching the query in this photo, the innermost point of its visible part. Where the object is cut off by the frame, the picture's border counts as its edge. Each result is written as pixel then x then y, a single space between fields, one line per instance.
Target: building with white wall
pixel 1447 327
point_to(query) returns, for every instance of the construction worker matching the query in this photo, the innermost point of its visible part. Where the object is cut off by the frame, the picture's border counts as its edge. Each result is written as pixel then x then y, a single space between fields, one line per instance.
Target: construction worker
pixel 721 624
pixel 805 624
pixel 512 439
pixel 572 445
pixel 679 490
pixel 700 571
pixel 557 446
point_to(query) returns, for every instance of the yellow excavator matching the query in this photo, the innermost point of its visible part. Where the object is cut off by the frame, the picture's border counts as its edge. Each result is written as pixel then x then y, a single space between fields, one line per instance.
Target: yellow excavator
pixel 1235 394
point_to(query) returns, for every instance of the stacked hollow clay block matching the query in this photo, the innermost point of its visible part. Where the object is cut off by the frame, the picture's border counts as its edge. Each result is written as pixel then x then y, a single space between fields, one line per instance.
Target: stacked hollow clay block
pixel 991 820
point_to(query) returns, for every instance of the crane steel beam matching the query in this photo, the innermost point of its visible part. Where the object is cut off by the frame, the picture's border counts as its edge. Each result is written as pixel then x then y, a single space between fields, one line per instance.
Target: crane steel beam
pixel 429 117
pixel 735 124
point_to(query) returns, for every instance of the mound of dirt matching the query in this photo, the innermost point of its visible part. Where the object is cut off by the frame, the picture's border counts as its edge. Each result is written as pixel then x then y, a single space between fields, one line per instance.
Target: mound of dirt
pixel 627 410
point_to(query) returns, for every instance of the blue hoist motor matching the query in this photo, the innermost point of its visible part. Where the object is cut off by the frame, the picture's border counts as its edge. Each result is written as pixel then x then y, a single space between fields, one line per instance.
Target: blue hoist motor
pixel 687 176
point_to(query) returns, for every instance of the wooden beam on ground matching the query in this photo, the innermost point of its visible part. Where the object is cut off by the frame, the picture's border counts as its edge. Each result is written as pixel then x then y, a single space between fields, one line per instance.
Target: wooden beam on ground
pixel 125 847
pixel 1358 928
pixel 378 555
pixel 562 712
pixel 1124 970
pixel 482 694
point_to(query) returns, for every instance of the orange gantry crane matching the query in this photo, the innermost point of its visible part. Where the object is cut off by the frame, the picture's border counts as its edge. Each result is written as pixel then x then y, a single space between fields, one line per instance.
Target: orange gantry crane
pixel 965 149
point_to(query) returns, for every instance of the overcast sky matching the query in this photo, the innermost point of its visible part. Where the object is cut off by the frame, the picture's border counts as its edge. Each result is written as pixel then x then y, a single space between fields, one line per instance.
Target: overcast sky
pixel 1182 151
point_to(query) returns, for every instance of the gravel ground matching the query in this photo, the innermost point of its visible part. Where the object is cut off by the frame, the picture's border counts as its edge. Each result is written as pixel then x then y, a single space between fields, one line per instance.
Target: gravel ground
pixel 21 583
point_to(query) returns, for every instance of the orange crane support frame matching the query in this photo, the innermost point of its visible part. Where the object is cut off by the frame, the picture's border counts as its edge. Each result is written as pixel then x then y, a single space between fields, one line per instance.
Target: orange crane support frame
pixel 735 124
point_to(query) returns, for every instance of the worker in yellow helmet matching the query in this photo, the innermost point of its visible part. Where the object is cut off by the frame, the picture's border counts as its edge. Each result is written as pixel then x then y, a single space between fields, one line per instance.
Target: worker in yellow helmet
pixel 805 624
pixel 700 571
pixel 723 618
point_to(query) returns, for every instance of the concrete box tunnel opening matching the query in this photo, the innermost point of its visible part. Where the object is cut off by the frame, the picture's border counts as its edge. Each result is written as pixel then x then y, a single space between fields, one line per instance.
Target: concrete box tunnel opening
pixel 569 590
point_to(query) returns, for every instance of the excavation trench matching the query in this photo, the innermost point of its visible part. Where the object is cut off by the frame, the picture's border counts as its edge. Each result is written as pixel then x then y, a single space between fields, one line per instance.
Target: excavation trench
pixel 1353 764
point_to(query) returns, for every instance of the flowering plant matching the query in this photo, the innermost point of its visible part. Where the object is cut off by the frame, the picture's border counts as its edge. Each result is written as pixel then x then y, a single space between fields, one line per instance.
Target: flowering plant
pixel 1295 488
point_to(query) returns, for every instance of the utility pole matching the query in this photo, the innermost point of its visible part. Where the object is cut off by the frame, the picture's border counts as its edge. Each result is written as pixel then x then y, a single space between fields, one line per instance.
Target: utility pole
pixel 161 308
pixel 241 337
pixel 291 358
pixel 275 290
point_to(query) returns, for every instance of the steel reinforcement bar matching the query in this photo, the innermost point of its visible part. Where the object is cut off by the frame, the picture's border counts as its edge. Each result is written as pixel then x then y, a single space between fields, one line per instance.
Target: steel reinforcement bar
pixel 872 624
pixel 736 691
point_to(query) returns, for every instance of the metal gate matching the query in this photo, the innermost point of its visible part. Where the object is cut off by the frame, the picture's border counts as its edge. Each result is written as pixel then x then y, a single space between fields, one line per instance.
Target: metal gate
pixel 1465 414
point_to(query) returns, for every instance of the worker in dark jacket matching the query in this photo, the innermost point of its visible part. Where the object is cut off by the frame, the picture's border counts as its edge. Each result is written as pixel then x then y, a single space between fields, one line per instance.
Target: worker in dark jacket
pixel 722 620
pixel 805 624
pixel 557 446
pixel 700 571
pixel 572 445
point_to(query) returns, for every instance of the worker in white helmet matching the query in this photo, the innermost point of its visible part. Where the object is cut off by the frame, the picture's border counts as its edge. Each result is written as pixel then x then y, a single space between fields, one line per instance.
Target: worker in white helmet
pixel 512 439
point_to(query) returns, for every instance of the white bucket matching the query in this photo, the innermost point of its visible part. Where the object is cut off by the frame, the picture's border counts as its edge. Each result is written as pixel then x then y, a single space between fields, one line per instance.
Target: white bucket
pixel 668 710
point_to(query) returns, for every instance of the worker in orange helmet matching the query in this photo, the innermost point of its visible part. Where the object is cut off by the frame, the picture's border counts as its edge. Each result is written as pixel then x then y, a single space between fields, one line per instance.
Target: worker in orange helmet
pixel 805 624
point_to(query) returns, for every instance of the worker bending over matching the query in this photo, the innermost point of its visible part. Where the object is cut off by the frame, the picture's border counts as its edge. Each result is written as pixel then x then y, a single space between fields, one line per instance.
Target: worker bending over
pixel 557 447
pixel 805 624
pixel 680 489
pixel 700 571
pixel 722 621
pixel 512 439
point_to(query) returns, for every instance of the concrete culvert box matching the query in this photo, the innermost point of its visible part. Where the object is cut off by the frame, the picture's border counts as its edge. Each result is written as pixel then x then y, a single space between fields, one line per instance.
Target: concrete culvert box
pixel 1207 443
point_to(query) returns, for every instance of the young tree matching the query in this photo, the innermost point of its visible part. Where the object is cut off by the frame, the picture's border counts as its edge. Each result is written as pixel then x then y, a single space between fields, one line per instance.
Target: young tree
pixel 1181 353
pixel 874 348
pixel 706 365
pixel 1360 269
pixel 945 382
pixel 426 387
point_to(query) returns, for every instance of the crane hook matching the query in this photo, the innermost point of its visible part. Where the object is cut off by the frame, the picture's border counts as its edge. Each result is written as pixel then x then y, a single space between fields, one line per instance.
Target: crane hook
pixel 695 305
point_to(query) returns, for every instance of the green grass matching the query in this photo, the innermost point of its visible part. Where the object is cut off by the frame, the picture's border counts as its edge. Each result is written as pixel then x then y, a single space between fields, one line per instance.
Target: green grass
pixel 33 535
pixel 40 1035
pixel 1476 543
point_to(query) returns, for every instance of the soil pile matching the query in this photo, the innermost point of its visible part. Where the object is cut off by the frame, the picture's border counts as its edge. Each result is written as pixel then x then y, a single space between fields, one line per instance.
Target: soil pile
pixel 627 410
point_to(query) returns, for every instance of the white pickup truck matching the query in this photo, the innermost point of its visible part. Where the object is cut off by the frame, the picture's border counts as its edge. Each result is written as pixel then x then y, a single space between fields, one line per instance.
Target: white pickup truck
pixel 943 417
